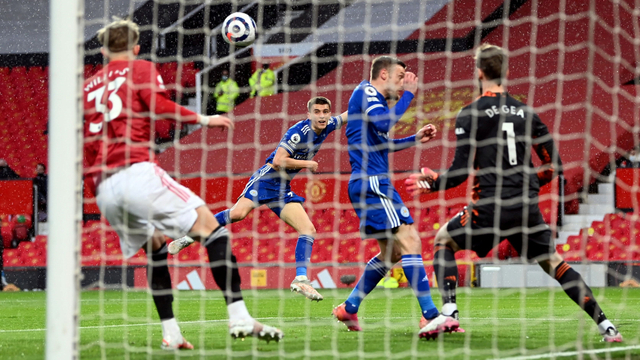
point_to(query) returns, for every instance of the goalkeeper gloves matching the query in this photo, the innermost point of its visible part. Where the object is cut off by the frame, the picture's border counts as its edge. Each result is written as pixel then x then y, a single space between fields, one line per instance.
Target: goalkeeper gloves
pixel 418 184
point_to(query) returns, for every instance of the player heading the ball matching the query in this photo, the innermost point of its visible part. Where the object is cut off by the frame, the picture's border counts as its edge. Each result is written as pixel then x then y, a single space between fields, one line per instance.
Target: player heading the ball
pixel 140 201
pixel 271 185
pixel 382 213
pixel 496 135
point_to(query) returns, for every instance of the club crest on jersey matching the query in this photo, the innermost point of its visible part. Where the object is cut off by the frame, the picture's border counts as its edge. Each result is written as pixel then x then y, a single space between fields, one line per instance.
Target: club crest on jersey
pixel 404 211
pixel 253 192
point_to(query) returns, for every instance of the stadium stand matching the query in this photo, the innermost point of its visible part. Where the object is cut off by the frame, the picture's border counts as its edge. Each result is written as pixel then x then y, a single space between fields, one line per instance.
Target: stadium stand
pixel 615 237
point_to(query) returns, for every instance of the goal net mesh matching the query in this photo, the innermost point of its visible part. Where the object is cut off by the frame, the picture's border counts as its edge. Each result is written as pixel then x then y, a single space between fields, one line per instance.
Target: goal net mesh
pixel 574 62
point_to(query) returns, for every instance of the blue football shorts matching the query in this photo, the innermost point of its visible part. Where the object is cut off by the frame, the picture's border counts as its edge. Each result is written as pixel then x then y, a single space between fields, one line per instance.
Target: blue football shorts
pixel 377 204
pixel 267 187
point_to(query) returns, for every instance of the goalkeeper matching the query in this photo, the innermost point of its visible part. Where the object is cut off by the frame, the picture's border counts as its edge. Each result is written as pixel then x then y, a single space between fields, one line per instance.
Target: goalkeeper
pixel 495 135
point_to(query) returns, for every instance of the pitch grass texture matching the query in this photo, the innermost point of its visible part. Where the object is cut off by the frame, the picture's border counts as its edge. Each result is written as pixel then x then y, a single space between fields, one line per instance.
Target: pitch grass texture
pixel 499 323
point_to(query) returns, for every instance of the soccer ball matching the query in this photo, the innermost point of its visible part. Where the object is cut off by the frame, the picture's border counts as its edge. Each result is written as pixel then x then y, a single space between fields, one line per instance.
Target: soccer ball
pixel 239 29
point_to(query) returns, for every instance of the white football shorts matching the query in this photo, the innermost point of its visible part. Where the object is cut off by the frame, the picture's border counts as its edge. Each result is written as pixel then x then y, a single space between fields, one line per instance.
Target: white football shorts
pixel 141 198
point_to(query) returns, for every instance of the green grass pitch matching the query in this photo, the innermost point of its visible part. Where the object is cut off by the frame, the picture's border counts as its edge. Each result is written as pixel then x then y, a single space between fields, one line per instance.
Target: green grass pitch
pixel 524 324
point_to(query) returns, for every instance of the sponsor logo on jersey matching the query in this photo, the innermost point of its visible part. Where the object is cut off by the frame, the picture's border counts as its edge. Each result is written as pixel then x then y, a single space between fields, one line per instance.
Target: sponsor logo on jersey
pixel 295 138
pixel 459 131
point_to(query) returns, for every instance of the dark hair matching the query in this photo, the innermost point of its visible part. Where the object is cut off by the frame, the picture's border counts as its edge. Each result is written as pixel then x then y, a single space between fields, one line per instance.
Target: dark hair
pixel 120 35
pixel 384 62
pixel 492 60
pixel 318 100
pixel 43 166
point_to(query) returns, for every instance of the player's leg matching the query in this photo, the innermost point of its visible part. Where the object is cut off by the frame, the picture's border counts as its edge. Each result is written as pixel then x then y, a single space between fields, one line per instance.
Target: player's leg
pixel 295 216
pixel 239 211
pixel 177 211
pixel 224 269
pixel 446 270
pixel 162 292
pixel 374 271
pixel 575 287
pixel 125 204
pixel 410 247
pixel 247 201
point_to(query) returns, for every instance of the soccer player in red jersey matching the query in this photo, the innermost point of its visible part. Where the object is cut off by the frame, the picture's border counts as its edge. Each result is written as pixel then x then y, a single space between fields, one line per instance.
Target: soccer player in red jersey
pixel 140 201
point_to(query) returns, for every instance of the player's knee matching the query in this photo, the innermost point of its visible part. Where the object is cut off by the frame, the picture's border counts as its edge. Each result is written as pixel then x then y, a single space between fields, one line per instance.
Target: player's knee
pixel 409 240
pixel 309 230
pixel 442 237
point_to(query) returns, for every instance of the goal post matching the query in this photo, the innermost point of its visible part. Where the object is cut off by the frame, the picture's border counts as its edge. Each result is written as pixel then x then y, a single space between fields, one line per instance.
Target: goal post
pixel 65 161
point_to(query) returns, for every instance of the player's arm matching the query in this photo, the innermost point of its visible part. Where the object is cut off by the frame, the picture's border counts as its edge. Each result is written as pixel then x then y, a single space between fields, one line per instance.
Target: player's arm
pixel 344 117
pixel 428 180
pixel 425 134
pixel 283 160
pixel 545 148
pixel 384 119
pixel 154 94
pixel 337 122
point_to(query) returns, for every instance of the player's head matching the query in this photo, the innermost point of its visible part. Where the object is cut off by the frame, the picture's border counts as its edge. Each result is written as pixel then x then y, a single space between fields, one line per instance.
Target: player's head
pixel 491 64
pixel 119 38
pixel 319 112
pixel 388 72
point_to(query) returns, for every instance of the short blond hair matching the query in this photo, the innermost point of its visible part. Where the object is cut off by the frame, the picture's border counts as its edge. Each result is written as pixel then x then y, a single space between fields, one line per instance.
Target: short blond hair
pixel 492 60
pixel 318 100
pixel 120 35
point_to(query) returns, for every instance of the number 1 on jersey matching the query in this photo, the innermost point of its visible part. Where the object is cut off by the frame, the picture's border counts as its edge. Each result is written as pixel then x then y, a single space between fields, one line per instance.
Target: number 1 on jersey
pixel 511 143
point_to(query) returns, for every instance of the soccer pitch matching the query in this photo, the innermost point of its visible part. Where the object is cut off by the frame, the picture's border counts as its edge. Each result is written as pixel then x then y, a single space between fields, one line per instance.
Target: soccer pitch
pixel 499 324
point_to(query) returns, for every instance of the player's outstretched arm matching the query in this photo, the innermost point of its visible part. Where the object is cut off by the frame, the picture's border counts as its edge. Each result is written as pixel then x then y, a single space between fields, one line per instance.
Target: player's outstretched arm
pixel 428 180
pixel 216 121
pixel 283 160
pixel 344 117
pixel 425 134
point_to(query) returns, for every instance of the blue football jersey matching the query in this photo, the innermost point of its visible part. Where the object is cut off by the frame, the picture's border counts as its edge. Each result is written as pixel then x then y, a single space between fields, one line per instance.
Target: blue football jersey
pixel 370 120
pixel 302 143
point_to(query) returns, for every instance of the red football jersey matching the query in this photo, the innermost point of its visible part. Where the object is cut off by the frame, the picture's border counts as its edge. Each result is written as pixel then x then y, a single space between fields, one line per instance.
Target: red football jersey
pixel 120 101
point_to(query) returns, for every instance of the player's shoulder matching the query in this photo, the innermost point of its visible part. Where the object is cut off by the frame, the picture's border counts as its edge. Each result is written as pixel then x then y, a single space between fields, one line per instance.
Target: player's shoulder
pixel 365 89
pixel 300 125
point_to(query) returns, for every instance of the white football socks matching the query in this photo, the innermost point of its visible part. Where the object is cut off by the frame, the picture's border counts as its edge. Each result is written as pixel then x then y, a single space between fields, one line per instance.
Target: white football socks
pixel 449 308
pixel 171 330
pixel 603 326
pixel 238 311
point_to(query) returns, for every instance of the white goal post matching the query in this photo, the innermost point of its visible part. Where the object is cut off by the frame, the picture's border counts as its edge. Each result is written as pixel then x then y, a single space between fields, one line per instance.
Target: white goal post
pixel 65 161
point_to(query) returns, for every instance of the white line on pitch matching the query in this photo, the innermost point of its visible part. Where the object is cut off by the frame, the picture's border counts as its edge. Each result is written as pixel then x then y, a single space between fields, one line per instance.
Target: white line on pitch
pixel 305 318
pixel 572 353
